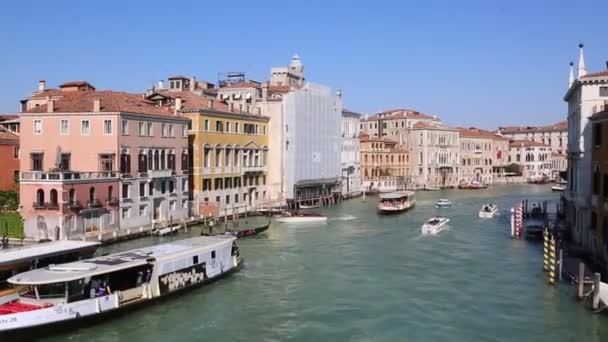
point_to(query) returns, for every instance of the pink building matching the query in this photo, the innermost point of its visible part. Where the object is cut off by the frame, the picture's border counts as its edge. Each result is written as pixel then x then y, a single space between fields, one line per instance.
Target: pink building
pixel 96 162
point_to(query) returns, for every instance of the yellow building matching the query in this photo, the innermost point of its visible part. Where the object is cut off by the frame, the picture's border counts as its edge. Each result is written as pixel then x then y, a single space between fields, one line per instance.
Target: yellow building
pixel 229 149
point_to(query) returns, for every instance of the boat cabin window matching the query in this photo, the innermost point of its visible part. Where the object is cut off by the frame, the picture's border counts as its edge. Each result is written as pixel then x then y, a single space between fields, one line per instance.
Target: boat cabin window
pixel 195 259
pixel 76 290
pixel 212 254
pixel 47 291
pixel 105 284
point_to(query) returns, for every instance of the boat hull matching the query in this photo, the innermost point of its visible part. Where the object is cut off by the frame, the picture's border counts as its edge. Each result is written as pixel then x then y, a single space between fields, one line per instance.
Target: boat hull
pixel 301 219
pixel 484 214
pixel 34 332
pixel 432 230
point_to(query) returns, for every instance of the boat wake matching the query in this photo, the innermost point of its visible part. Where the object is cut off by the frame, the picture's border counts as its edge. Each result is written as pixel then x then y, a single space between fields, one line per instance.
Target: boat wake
pixel 344 218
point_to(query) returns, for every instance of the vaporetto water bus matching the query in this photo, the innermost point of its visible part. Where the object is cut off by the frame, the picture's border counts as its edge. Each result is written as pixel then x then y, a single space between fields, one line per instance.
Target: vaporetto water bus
pixel 64 293
pixel 396 202
pixel 16 260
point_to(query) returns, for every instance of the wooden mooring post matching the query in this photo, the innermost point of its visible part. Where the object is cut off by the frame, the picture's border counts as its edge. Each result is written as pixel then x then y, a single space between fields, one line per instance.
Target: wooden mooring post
pixel 596 290
pixel 580 290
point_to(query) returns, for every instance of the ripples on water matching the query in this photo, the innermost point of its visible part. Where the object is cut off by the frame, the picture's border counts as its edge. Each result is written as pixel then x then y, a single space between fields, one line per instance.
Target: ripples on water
pixel 364 277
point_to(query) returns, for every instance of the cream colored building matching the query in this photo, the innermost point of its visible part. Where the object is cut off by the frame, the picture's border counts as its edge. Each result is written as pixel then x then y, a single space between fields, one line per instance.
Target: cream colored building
pixel 434 151
pixel 556 135
pixel 533 158
pixel 477 156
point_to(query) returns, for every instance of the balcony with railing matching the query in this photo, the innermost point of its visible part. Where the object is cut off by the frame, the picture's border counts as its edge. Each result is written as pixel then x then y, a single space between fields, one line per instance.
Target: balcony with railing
pixel 94 203
pixel 253 168
pixel 67 176
pixel 72 205
pixel 160 173
pixel 113 201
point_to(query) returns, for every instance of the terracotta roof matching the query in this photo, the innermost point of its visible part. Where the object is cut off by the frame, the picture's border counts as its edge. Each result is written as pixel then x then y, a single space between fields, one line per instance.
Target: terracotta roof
pixel 52 92
pixel 474 132
pixel 401 114
pixel 111 101
pixel 597 74
pixel 244 84
pixel 279 89
pixel 432 125
pixel 192 101
pixel 5 117
pixel 363 137
pixel 560 126
pixel 7 136
pixel 75 84
pixel 526 143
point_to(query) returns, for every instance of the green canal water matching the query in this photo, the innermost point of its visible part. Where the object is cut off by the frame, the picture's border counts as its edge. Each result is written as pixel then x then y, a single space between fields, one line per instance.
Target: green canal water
pixel 364 277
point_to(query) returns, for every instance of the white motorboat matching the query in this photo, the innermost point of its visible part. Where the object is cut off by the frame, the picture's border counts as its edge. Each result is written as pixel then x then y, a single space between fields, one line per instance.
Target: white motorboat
pixel 314 206
pixel 167 230
pixel 431 188
pixel 20 259
pixel 396 202
pixel 559 188
pixel 488 211
pixel 300 217
pixel 443 203
pixel 434 225
pixel 103 285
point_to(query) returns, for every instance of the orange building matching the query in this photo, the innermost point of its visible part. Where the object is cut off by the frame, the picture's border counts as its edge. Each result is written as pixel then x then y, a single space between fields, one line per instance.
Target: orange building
pixel 9 159
pixel 384 164
pixel 599 184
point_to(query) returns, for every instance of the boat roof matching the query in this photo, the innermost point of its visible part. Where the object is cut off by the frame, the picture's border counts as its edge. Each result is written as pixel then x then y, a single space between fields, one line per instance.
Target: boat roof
pixel 118 261
pixel 396 194
pixel 46 249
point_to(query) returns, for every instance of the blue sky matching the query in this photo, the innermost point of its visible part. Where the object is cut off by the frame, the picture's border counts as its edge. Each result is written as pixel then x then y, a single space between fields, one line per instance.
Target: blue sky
pixel 472 62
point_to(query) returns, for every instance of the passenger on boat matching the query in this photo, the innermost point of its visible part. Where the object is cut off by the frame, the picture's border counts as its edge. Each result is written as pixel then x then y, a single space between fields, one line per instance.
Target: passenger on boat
pixel 148 275
pixel 140 278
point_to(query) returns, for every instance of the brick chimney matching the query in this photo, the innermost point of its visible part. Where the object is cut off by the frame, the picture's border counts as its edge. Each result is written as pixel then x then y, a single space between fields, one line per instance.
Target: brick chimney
pixel 41 86
pixel 231 107
pixel 192 83
pixel 50 105
pixel 96 105
pixel 178 104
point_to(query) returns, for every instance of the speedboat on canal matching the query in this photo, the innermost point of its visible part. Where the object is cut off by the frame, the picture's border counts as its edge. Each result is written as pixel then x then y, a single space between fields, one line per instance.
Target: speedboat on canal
pixel 443 203
pixel 300 217
pixel 559 188
pixel 396 202
pixel 63 293
pixel 21 259
pixel 435 225
pixel 488 211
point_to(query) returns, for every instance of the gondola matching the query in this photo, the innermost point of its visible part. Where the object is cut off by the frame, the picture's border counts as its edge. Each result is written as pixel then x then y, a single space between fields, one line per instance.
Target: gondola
pixel 247 232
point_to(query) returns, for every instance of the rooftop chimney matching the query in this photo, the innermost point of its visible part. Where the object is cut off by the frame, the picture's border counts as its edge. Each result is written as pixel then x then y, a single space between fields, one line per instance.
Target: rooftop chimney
pixel 192 83
pixel 178 104
pixel 231 107
pixel 160 85
pixel 41 86
pixel 210 104
pixel 50 104
pixel 96 105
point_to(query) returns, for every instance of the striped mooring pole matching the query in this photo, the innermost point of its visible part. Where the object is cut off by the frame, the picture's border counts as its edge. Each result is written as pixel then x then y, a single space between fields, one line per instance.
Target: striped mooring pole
pixel 546 249
pixel 552 260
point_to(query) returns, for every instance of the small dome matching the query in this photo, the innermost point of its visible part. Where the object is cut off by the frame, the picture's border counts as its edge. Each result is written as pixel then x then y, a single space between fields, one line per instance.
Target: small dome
pixel 295 61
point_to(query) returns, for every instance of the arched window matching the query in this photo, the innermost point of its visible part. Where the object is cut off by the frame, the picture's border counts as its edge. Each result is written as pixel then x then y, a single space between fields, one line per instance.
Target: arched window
pixel 72 196
pixel 162 160
pixel 54 197
pixel 92 194
pixel 156 160
pixel 150 160
pixel 110 192
pixel 40 197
